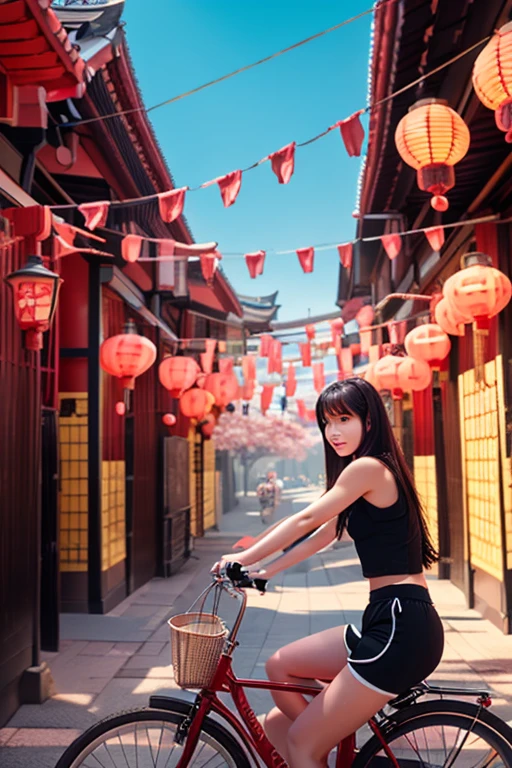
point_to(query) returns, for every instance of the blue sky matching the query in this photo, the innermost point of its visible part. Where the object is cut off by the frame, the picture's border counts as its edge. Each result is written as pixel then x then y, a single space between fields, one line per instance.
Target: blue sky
pixel 179 44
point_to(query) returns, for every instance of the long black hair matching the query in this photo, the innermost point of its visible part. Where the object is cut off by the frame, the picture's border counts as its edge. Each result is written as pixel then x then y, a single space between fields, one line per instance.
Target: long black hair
pixel 357 397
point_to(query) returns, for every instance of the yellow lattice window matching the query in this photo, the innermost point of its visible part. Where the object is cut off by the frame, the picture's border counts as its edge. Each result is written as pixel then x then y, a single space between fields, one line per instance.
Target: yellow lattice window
pixel 73 494
pixel 481 469
pixel 209 484
pixel 113 534
pixel 426 485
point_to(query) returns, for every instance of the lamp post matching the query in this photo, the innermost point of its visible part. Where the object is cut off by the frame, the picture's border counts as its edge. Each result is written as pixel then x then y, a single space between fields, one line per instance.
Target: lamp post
pixel 35 291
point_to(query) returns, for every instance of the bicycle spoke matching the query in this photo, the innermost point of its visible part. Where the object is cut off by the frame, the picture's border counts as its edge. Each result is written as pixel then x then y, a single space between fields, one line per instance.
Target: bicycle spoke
pixel 150 748
pixel 122 749
pixel 108 753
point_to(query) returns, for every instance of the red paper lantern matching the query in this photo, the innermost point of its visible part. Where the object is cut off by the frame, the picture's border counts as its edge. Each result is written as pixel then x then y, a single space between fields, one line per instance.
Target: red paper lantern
pixel 248 391
pixel 195 403
pixel 35 291
pixel 371 377
pixel 208 425
pixel 223 386
pixel 177 374
pixel 127 355
pixel 432 138
pixel 414 374
pixel 427 342
pixel 169 419
pixel 386 372
pixel 291 381
pixel 479 290
pixel 492 78
pixel 450 319
pixel 310 332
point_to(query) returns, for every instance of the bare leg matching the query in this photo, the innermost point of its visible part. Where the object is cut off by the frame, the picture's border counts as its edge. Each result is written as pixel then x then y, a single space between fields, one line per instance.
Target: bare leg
pixel 276 727
pixel 343 707
pixel 317 657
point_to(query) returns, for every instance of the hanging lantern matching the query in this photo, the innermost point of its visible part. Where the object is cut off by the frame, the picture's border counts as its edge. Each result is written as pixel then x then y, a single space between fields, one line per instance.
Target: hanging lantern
pixel 208 425
pixel 492 78
pixel 450 319
pixel 35 291
pixel 414 374
pixel 310 332
pixel 386 372
pixel 248 390
pixel 371 377
pixel 336 330
pixel 432 138
pixel 127 355
pixel 120 408
pixel 427 342
pixel 169 419
pixel 223 386
pixel 195 403
pixel 177 374
pixel 479 290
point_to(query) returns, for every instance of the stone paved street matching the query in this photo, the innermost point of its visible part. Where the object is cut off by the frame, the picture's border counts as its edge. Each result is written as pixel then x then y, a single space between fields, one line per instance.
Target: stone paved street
pixel 114 662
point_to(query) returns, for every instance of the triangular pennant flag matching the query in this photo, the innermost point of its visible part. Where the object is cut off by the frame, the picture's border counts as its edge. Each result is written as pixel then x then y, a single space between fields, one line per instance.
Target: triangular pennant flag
pixel 265 341
pixel 95 214
pixel 229 186
pixel 392 244
pixel 283 163
pixel 345 362
pixel 170 204
pixel 255 262
pixel 248 368
pixel 435 237
pixel 66 231
pixel 306 258
pixel 310 332
pixel 275 359
pixel 345 252
pixel 248 390
pixel 209 265
pixel 291 381
pixel 130 247
pixel 226 364
pixel 318 377
pixel 266 397
pixel 63 248
pixel 305 353
pixel 352 133
pixel 301 408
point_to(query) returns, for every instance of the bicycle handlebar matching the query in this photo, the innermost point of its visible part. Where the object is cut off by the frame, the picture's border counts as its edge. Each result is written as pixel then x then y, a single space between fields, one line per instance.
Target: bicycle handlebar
pixel 239 577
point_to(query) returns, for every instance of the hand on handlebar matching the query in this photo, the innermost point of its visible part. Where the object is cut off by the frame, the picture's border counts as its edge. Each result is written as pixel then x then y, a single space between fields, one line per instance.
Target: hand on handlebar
pixel 240 576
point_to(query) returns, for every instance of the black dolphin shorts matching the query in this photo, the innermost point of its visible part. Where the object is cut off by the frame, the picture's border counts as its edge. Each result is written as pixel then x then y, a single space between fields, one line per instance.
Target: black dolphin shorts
pixel 401 642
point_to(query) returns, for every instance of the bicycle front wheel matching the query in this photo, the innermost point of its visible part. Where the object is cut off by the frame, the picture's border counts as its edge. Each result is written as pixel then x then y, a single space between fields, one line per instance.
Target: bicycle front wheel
pixel 441 734
pixel 144 738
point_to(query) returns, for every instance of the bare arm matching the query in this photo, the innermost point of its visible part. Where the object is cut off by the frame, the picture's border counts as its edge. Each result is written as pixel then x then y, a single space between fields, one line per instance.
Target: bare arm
pixel 314 543
pixel 356 480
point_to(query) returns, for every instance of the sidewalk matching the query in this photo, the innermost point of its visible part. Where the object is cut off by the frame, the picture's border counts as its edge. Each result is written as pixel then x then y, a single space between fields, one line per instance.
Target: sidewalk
pixel 114 662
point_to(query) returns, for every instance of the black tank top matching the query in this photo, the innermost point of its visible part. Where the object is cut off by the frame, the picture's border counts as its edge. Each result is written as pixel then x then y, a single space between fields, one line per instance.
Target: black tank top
pixel 388 539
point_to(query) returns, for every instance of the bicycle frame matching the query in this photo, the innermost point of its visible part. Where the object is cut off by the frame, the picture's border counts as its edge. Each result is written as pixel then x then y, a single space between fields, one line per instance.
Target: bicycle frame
pixel 252 735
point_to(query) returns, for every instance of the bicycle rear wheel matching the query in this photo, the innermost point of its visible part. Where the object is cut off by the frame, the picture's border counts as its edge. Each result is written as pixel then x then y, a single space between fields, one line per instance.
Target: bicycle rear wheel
pixel 441 734
pixel 144 738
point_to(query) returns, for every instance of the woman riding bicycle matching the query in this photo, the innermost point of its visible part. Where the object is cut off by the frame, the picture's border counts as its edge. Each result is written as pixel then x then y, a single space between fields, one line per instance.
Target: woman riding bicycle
pixel 371 495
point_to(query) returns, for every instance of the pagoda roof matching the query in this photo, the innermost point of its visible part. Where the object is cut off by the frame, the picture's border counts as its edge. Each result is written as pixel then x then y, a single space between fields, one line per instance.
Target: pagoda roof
pixel 257 301
pixel 35 48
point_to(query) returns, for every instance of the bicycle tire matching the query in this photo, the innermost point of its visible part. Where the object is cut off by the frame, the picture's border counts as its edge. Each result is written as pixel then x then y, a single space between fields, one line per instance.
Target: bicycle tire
pixel 80 749
pixel 448 713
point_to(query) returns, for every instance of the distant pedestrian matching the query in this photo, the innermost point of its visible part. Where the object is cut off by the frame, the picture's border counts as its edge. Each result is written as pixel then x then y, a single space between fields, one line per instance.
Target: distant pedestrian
pixel 269 495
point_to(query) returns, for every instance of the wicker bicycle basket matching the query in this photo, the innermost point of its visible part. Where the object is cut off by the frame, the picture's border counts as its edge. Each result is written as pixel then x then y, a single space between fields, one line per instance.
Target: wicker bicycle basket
pixel 197 642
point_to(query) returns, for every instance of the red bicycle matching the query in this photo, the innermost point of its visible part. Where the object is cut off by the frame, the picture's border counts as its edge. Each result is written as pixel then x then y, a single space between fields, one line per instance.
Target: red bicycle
pixel 198 728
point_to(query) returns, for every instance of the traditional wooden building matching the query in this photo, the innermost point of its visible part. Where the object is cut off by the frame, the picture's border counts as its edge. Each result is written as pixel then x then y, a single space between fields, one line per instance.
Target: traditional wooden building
pixel 457 433
pixel 94 503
